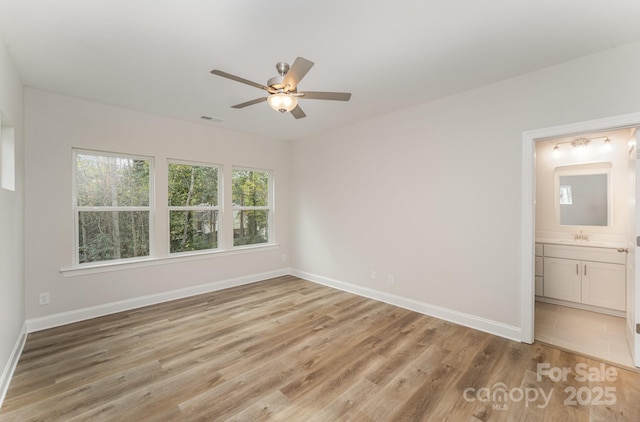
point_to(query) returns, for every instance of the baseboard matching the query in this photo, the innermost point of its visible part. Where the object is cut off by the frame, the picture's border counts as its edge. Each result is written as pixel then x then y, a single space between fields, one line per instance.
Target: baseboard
pixel 56 320
pixel 482 324
pixel 10 367
pixel 560 302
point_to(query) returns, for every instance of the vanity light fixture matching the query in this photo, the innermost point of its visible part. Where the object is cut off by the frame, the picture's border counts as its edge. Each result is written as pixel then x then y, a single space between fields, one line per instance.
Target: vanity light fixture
pixel 582 143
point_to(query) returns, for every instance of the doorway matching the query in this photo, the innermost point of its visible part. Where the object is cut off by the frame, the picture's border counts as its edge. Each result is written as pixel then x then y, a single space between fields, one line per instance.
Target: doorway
pixel 612 315
pixel 583 219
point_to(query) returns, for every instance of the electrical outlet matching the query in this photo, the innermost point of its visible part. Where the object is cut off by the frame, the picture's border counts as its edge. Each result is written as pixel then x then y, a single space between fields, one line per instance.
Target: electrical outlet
pixel 44 298
pixel 373 275
pixel 392 279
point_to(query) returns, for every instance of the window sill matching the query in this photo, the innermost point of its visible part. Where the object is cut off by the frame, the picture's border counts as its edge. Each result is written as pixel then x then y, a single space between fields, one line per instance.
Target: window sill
pixel 105 267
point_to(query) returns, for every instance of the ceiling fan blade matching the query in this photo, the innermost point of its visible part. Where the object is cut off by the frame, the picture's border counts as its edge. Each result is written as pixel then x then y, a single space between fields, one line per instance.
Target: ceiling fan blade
pixel 248 103
pixel 241 80
pixel 298 113
pixel 318 95
pixel 297 71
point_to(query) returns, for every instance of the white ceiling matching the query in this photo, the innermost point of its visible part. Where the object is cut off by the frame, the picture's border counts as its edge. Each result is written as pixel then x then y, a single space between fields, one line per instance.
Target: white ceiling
pixel 156 55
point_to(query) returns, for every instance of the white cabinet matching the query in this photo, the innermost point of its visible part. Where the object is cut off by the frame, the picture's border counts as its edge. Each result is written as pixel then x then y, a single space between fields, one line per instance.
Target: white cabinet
pixel 585 275
pixel 562 279
pixel 603 285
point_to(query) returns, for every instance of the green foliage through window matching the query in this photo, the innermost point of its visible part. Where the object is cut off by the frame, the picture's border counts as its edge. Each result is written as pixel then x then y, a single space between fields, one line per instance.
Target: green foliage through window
pixel 107 235
pixel 251 207
pixel 112 199
pixel 193 201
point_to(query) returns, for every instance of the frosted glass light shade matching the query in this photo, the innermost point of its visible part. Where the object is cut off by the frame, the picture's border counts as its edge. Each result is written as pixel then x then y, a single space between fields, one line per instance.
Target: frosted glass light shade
pixel 282 102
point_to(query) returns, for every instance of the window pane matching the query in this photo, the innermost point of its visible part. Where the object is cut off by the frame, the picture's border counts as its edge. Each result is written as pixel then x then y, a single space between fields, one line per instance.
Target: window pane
pixel 250 227
pixel 7 154
pixel 193 230
pixel 250 188
pixel 111 181
pixel 192 185
pixel 106 235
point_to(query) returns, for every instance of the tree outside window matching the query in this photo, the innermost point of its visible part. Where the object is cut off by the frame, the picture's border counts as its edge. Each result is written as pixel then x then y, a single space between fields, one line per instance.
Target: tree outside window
pixel 111 204
pixel 251 206
pixel 193 207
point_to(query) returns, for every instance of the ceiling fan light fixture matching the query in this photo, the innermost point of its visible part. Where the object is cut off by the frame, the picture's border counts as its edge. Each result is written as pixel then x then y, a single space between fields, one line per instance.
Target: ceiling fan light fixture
pixel 282 102
pixel 283 89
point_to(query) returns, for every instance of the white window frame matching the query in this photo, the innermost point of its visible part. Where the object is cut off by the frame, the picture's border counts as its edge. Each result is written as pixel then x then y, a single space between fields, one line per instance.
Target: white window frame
pixel 7 154
pixel 269 208
pixel 77 209
pixel 218 208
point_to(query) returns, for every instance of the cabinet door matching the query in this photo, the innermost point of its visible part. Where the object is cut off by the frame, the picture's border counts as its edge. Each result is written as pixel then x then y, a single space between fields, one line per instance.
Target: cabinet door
pixel 562 279
pixel 603 285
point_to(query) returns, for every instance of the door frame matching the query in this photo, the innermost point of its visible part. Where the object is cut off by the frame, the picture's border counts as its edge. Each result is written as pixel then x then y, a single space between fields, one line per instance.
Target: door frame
pixel 528 230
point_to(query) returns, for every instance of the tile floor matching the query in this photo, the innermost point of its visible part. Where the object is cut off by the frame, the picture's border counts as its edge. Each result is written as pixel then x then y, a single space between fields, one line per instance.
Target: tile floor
pixel 591 333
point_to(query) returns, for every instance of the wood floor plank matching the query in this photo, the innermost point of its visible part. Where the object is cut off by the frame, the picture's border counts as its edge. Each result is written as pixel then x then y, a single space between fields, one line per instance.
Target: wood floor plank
pixel 405 393
pixel 262 409
pixel 159 398
pixel 286 349
pixel 347 405
pixel 84 396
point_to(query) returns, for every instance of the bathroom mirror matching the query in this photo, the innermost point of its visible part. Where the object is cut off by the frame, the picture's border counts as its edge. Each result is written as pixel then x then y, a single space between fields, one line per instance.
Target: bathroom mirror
pixel 583 195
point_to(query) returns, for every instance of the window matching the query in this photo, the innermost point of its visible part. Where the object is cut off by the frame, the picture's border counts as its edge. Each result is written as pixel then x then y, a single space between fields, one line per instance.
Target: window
pixel 112 197
pixel 193 207
pixel 566 198
pixel 251 206
pixel 7 154
pixel 113 208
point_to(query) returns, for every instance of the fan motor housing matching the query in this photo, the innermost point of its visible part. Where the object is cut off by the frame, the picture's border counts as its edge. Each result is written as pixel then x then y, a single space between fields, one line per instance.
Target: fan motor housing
pixel 276 82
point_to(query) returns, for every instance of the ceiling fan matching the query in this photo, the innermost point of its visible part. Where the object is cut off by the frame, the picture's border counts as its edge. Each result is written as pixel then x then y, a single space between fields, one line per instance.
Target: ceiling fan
pixel 283 90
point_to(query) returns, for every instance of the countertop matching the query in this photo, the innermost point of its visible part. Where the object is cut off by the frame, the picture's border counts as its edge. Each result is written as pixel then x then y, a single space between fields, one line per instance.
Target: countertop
pixel 587 243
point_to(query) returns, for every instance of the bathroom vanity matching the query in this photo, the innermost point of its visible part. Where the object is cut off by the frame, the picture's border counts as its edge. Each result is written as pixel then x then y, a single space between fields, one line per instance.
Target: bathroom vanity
pixel 583 220
pixel 582 275
pixel 581 252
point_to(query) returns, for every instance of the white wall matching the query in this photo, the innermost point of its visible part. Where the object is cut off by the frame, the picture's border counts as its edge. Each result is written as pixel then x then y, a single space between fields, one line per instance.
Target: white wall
pixel 546 163
pixel 12 312
pixel 431 194
pixel 54 125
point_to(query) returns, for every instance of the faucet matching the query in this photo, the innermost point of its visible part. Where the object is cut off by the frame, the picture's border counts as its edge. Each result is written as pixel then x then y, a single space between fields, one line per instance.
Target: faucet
pixel 581 236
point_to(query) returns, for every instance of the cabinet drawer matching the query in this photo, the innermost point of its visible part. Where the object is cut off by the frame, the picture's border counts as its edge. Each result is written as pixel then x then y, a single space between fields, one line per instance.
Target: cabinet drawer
pixel 584 253
pixel 539 265
pixel 539 286
pixel 539 249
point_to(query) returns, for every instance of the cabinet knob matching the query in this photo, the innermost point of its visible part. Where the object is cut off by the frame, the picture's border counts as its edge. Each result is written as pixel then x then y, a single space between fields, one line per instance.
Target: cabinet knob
pixel 625 250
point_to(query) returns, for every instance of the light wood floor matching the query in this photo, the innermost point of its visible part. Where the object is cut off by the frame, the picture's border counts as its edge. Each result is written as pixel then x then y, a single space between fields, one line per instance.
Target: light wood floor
pixel 291 350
